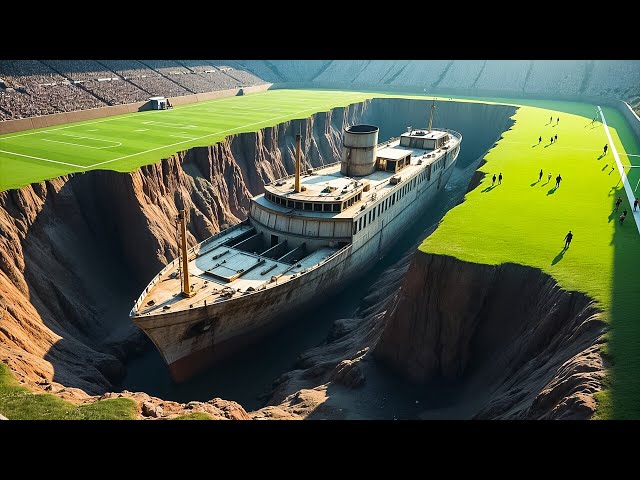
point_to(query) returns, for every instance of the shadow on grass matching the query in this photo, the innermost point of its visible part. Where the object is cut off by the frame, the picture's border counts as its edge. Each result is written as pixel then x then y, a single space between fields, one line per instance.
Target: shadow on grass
pixel 622 400
pixel 552 191
pixel 611 171
pixel 601 156
pixel 535 183
pixel 604 168
pixel 559 256
pixel 488 189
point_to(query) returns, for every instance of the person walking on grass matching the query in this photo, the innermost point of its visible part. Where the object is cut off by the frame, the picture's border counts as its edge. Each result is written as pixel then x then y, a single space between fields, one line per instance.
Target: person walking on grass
pixel 558 180
pixel 493 180
pixel 618 202
pixel 549 177
pixel 540 176
pixel 500 179
pixel 556 137
pixel 551 140
pixel 558 121
pixel 567 239
pixel 622 217
pixel 540 140
pixel 635 205
pixel 550 119
pixel 606 147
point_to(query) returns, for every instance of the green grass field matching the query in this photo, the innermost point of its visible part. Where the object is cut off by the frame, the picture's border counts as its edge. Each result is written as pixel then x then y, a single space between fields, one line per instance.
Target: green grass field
pixel 18 403
pixel 524 221
pixel 521 221
pixel 126 142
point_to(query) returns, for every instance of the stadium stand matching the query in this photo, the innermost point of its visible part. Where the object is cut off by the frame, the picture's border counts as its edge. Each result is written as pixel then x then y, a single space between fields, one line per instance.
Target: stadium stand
pixel 166 67
pixel 79 69
pixel 116 91
pixel 508 75
pixel 553 76
pixel 27 73
pixel 424 73
pixel 243 78
pixel 32 87
pixel 127 68
pixel 626 73
pixel 197 65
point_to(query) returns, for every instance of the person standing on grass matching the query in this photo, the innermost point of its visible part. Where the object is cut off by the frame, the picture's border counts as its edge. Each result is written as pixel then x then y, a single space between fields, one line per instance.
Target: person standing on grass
pixel 567 239
pixel 540 140
pixel 558 180
pixel 549 177
pixel 606 147
pixel 540 176
pixel 622 217
pixel 493 180
pixel 551 139
pixel 556 137
pixel 558 121
pixel 500 179
pixel 635 205
pixel 550 119
pixel 618 202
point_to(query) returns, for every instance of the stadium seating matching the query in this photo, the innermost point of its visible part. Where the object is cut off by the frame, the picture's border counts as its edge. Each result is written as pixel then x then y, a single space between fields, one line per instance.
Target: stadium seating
pixel 32 87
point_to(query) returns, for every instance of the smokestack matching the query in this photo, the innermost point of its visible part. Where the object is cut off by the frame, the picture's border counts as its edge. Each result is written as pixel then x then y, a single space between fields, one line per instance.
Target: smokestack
pixel 298 159
pixel 186 288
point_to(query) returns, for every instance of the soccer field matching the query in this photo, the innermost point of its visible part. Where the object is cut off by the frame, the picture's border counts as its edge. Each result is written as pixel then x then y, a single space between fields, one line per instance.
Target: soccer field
pixel 125 142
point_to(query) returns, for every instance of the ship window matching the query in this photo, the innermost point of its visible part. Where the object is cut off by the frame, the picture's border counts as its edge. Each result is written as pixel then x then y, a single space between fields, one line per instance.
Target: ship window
pixel 299 205
pixel 360 224
pixel 355 227
pixel 429 173
pixel 370 213
pixel 290 203
pixel 307 206
pixel 336 207
pixel 393 199
pixel 344 206
pixel 379 206
pixel 364 221
pixel 317 207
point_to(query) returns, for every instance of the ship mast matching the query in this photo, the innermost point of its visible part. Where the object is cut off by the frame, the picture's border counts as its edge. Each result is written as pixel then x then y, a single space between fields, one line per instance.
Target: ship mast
pixel 433 107
pixel 186 288
pixel 298 155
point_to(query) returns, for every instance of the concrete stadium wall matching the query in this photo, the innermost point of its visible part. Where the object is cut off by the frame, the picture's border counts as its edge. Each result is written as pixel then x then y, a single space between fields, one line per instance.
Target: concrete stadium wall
pixel 11 126
pixel 632 119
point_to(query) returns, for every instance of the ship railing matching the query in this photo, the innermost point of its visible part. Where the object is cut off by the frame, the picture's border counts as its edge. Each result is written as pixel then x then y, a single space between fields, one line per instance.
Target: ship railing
pixel 268 284
pixel 175 261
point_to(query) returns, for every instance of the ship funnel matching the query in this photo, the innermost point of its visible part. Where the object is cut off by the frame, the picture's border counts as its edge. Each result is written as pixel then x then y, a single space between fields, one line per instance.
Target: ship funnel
pixel 298 159
pixel 359 149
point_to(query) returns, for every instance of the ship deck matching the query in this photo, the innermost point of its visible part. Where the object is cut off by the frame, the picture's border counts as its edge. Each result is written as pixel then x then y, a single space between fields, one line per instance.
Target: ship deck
pixel 330 176
pixel 221 270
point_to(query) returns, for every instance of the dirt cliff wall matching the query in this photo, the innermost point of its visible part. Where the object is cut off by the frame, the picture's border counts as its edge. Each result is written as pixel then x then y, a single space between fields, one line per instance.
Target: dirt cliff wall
pixel 75 251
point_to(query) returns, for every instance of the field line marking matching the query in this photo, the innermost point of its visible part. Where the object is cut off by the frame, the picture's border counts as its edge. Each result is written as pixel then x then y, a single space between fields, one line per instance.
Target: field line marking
pixel 209 135
pixel 116 117
pixel 78 144
pixel 117 144
pixel 625 182
pixel 43 159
